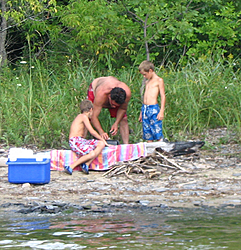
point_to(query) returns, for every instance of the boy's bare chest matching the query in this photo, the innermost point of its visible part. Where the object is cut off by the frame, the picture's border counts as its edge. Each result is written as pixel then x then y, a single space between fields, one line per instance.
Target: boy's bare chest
pixel 151 86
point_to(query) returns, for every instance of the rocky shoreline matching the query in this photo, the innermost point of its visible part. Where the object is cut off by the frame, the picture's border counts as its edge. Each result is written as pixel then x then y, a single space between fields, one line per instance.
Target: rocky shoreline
pixel 213 180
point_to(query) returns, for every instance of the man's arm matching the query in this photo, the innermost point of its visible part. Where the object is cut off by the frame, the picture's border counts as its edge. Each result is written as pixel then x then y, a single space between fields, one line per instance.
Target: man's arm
pixel 98 104
pixel 119 116
pixel 95 120
pixel 120 113
pixel 91 130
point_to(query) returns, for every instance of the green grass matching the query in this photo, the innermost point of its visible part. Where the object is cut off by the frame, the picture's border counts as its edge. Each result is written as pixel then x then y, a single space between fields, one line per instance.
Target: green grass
pixel 39 101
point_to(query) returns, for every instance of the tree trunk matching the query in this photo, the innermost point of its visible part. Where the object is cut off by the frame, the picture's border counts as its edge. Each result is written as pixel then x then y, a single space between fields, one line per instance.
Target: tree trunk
pixel 3 34
pixel 146 43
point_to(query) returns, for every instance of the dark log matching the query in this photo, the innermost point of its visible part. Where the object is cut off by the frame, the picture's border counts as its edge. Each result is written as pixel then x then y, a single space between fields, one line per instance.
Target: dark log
pixel 174 148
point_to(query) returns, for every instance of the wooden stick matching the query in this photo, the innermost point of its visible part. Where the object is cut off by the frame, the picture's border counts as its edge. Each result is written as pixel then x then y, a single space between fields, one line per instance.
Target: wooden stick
pixel 117 168
pixel 126 174
pixel 173 163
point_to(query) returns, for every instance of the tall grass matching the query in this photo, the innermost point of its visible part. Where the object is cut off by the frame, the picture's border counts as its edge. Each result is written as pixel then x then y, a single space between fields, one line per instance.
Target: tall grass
pixel 203 95
pixel 39 101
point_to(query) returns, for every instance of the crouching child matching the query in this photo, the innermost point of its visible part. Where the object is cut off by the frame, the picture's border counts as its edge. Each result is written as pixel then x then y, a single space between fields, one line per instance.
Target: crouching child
pixel 86 150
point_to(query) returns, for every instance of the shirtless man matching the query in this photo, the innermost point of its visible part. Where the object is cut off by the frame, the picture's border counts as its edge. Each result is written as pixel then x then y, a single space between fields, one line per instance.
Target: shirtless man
pixel 108 92
pixel 151 114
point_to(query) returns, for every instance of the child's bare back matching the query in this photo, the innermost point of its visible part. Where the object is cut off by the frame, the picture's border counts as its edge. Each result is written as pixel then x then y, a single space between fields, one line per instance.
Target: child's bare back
pixel 78 127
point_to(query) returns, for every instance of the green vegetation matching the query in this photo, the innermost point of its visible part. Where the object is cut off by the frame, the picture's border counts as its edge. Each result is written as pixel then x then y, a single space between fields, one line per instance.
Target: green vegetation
pixel 119 32
pixel 51 50
pixel 39 101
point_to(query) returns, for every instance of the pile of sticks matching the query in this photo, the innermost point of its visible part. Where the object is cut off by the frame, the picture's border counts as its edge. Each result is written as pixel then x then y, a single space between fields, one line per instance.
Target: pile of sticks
pixel 151 166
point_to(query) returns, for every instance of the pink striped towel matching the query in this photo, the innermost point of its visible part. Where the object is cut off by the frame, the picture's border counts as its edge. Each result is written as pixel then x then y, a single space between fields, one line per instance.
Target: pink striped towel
pixel 109 156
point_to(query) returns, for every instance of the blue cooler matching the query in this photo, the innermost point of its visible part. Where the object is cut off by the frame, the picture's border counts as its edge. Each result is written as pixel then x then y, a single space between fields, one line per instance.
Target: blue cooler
pixel 29 170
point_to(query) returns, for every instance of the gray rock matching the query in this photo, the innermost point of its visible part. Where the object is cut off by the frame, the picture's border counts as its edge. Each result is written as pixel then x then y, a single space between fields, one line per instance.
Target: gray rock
pixel 160 190
pixel 144 202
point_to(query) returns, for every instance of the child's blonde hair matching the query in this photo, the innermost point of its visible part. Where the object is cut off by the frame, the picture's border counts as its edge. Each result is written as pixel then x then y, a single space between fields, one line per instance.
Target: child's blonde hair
pixel 146 66
pixel 85 106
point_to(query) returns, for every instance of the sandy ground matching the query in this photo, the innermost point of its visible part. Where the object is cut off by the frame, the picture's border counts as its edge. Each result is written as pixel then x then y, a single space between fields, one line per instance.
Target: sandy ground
pixel 213 178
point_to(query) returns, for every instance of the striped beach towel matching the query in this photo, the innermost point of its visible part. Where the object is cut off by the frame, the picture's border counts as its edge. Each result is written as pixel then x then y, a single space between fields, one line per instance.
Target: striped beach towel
pixel 109 156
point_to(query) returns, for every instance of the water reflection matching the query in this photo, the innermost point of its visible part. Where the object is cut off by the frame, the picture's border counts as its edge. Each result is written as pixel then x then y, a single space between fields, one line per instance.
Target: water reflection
pixel 28 224
pixel 123 230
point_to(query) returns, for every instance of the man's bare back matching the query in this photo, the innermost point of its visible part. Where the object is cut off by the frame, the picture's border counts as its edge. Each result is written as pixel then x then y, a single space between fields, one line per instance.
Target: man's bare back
pixel 102 87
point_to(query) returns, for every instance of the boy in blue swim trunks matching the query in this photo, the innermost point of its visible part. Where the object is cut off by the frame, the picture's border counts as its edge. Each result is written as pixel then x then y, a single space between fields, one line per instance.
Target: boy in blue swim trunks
pixel 86 150
pixel 152 114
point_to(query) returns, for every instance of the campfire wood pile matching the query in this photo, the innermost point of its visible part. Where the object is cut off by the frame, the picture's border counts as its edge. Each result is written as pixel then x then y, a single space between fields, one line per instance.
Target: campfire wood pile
pixel 151 167
pixel 159 162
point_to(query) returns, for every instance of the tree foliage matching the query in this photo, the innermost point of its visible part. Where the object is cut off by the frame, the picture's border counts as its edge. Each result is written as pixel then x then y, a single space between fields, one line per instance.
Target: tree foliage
pixel 173 29
pixel 125 31
pixel 130 30
pixel 16 15
pixel 96 28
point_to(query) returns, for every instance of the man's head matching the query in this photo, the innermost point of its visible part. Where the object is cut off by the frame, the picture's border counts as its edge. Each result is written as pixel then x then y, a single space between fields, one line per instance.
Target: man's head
pixel 118 95
pixel 86 106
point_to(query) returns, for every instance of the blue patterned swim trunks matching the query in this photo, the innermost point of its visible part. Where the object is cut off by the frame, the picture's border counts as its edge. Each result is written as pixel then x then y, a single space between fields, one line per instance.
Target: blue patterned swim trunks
pixel 152 128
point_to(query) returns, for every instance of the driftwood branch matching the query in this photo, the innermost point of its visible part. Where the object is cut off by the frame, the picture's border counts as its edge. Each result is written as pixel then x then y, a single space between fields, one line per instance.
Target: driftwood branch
pixel 171 162
pixel 151 167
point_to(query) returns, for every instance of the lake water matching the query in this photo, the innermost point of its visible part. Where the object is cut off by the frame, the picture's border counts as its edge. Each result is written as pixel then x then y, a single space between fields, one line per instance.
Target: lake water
pixel 123 229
